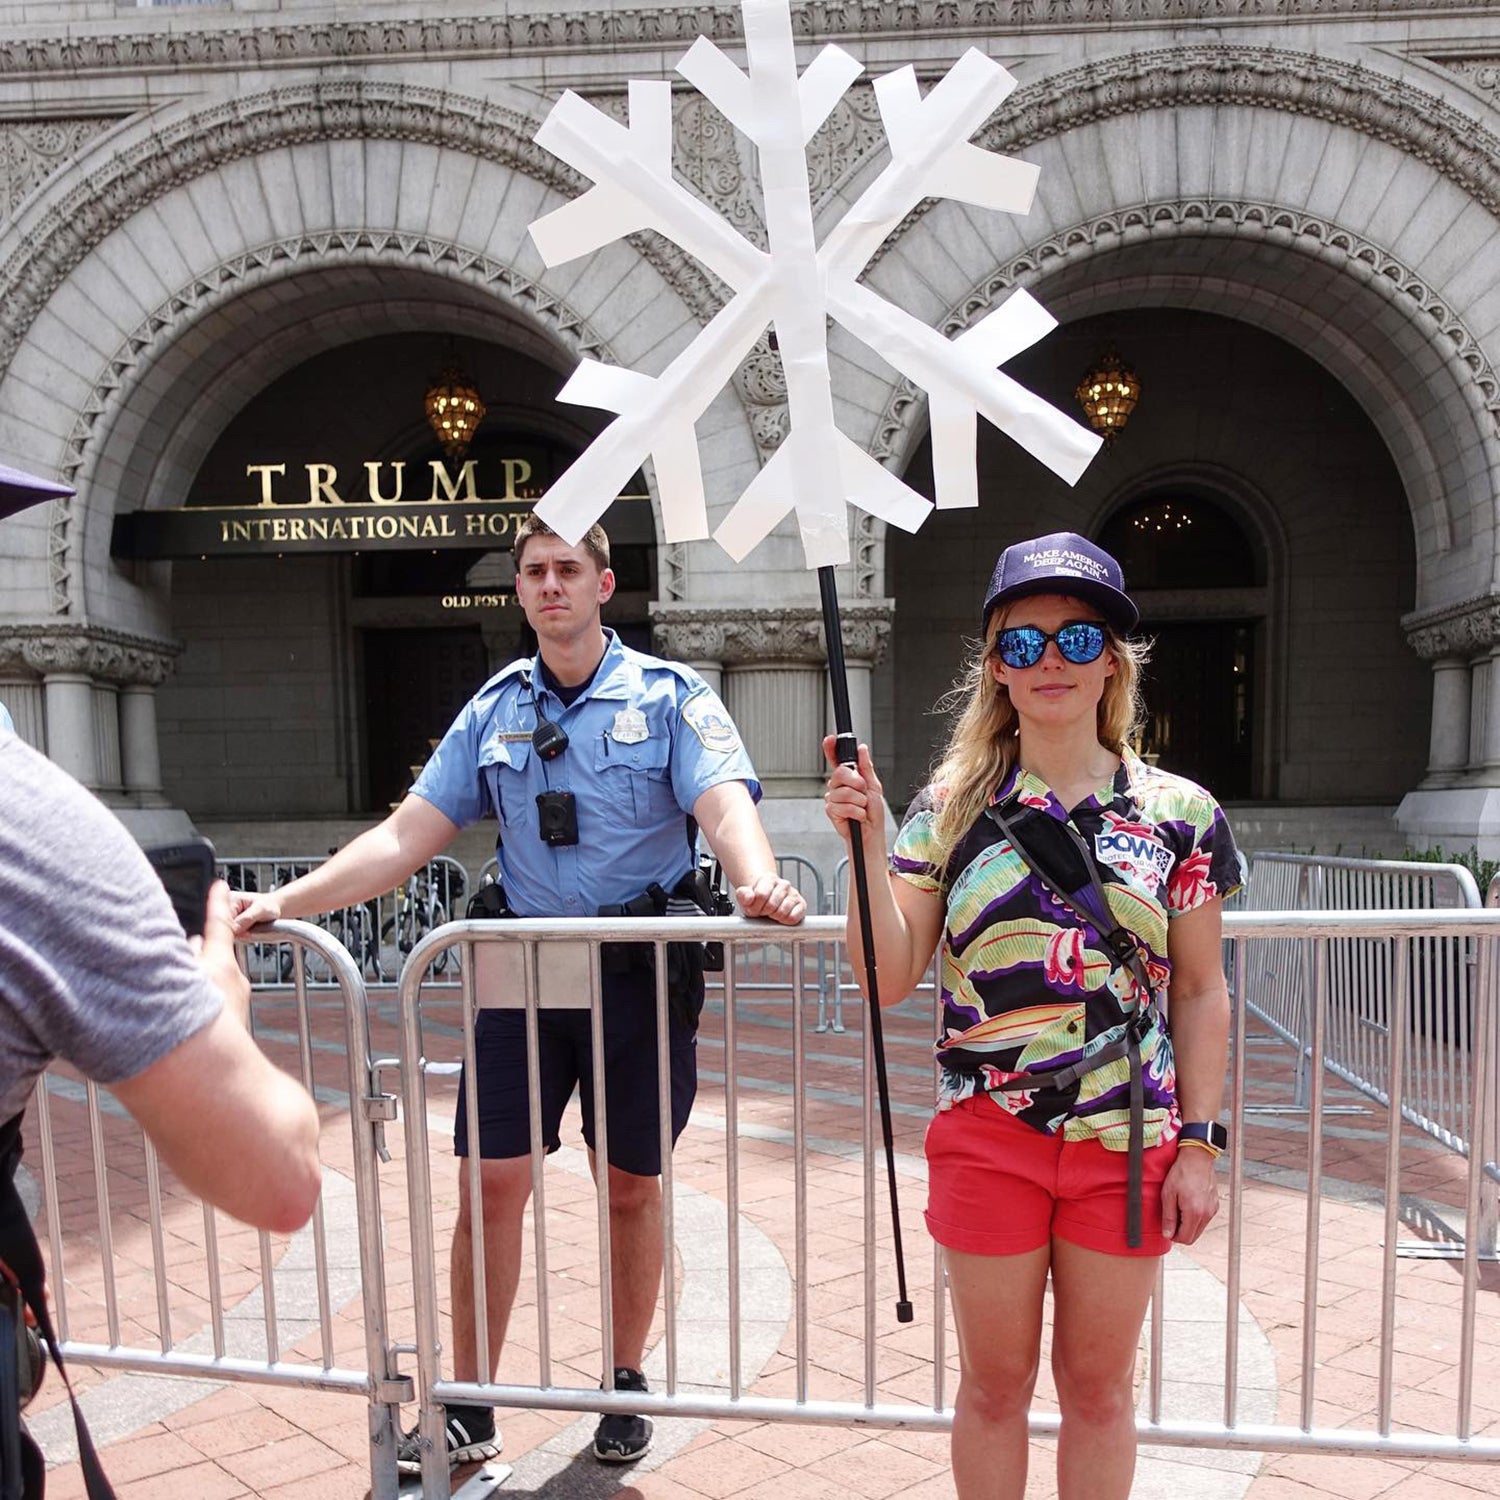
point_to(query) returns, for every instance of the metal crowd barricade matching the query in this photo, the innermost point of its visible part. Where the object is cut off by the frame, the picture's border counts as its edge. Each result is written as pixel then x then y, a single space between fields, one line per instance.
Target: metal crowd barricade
pixel 774 962
pixel 298 1297
pixel 531 964
pixel 1440 1007
pixel 378 933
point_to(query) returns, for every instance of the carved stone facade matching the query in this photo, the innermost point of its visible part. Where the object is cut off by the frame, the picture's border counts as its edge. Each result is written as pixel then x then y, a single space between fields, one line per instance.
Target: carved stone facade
pixel 172 176
pixel 794 633
pixel 107 656
pixel 608 29
pixel 1462 629
pixel 32 150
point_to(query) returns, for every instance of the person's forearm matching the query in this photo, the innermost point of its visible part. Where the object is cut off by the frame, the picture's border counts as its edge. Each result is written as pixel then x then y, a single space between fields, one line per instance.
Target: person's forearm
pixel 361 870
pixel 740 844
pixel 1200 1044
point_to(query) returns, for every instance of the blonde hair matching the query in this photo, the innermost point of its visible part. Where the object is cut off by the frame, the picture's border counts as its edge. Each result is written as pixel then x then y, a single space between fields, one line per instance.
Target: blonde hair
pixel 982 749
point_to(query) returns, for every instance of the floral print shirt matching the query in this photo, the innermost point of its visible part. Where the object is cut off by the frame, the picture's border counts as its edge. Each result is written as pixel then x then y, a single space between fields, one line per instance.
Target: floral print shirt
pixel 1028 985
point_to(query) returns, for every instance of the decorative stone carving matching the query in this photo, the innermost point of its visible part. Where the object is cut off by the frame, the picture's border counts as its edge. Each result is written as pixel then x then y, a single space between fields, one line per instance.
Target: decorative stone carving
pixel 710 154
pixel 32 150
pixel 609 30
pixel 760 383
pixel 1481 73
pixel 1458 630
pixel 335 109
pixel 849 134
pixel 111 656
pixel 1418 124
pixel 755 637
pixel 1305 233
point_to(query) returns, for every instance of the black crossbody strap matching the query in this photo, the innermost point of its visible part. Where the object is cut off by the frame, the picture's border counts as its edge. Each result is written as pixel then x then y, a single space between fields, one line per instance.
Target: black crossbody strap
pixel 21 1253
pixel 1127 954
pixel 1122 945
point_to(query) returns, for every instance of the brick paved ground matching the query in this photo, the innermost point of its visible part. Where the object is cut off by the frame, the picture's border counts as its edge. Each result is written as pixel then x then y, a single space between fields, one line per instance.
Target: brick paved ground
pixel 167 1437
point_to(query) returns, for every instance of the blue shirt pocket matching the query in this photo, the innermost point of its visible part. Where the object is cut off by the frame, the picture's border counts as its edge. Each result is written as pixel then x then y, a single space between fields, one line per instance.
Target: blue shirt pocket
pixel 503 764
pixel 636 780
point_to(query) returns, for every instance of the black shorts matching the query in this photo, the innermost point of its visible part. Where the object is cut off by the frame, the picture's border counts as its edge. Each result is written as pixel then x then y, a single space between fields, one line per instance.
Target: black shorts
pixel 566 1061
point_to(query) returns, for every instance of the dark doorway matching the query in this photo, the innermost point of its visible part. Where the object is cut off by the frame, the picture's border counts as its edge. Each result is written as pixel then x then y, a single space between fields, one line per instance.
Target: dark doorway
pixel 1199 691
pixel 415 683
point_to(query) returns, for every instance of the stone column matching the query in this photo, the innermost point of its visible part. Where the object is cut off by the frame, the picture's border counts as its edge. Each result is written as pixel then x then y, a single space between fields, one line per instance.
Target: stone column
pixel 70 725
pixel 25 701
pixel 1491 746
pixel 105 741
pixel 1457 804
pixel 140 753
pixel 1449 752
pixel 867 628
pixel 775 682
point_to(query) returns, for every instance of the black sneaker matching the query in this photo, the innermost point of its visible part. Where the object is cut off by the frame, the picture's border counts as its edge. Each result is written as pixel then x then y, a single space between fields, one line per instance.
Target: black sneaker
pixel 471 1439
pixel 620 1439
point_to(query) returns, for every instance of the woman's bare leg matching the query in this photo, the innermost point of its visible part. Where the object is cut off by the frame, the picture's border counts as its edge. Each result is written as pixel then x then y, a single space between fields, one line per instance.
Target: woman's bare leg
pixel 997 1305
pixel 1098 1305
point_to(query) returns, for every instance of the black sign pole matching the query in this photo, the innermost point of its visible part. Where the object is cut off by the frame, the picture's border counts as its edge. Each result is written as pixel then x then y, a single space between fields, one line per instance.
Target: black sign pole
pixel 847 749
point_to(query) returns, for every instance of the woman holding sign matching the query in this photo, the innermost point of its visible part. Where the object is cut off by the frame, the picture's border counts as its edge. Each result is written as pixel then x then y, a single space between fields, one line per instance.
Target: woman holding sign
pixel 1076 893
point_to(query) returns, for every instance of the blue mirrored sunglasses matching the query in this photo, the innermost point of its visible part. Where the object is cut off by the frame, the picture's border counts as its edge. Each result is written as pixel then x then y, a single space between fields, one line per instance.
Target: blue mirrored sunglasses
pixel 1080 641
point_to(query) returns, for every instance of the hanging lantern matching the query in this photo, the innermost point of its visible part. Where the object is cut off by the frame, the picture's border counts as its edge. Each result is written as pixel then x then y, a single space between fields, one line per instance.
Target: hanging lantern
pixel 1108 394
pixel 454 410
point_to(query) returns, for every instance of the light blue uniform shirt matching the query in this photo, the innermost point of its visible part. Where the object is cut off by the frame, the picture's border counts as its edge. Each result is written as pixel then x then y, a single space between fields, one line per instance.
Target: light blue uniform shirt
pixel 645 740
pixel 5 719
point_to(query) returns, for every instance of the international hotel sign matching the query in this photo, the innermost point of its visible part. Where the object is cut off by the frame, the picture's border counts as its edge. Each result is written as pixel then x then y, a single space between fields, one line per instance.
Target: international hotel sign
pixel 300 509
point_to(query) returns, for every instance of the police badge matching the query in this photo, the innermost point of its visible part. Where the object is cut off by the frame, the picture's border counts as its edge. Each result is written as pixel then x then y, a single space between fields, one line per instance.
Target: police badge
pixel 629 727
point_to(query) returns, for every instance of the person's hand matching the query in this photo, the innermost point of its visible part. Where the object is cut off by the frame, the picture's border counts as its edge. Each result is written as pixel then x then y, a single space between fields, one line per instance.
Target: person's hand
pixel 854 793
pixel 215 951
pixel 774 897
pixel 1189 1196
pixel 250 908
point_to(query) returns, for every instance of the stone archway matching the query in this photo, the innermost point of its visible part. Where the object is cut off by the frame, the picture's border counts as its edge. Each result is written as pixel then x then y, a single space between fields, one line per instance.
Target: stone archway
pixel 1420 374
pixel 179 215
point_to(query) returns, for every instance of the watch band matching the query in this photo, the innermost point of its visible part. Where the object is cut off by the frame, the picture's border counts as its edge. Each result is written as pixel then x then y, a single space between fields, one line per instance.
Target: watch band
pixel 1209 1133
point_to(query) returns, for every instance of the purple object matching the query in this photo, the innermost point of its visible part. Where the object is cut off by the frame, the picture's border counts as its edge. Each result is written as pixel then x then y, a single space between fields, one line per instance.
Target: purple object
pixel 18 490
pixel 1062 563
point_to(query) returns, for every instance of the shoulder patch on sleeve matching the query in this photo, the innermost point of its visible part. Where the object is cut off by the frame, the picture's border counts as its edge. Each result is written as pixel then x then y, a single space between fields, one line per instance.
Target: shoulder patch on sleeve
pixel 706 718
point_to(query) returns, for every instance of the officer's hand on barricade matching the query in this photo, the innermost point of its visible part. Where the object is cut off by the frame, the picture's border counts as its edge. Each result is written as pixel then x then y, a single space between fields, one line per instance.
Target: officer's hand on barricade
pixel 215 951
pixel 774 897
pixel 854 793
pixel 251 908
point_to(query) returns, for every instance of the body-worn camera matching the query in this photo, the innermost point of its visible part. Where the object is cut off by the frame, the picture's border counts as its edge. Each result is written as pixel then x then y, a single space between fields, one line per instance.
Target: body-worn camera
pixel 557 817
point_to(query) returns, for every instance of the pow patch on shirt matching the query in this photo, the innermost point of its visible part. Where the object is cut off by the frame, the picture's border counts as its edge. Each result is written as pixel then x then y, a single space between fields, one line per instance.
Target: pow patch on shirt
pixel 1136 853
pixel 711 724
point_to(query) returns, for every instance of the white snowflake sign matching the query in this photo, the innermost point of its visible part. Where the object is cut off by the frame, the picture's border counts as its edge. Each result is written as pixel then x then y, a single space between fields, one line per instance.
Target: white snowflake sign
pixel 796 286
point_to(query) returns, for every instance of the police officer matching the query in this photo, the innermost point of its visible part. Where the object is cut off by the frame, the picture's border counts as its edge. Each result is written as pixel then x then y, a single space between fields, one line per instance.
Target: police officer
pixel 592 757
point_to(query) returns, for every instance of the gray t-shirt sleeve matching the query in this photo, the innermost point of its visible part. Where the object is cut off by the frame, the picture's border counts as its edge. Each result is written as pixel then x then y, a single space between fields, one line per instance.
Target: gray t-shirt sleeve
pixel 94 968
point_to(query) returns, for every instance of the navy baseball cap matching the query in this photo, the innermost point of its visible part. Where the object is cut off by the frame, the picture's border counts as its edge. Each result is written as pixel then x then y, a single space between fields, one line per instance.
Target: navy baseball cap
pixel 18 490
pixel 1062 563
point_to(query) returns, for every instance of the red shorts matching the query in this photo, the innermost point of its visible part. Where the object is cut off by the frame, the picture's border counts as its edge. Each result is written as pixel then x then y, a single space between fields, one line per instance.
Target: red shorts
pixel 997 1187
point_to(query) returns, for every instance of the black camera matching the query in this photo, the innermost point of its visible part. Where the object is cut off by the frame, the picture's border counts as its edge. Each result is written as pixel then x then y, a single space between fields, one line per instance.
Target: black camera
pixel 20 1345
pixel 187 871
pixel 557 817
pixel 22 1363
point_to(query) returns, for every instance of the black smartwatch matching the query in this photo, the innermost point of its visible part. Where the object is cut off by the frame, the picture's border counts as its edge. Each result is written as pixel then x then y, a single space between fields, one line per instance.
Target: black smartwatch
pixel 1209 1133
